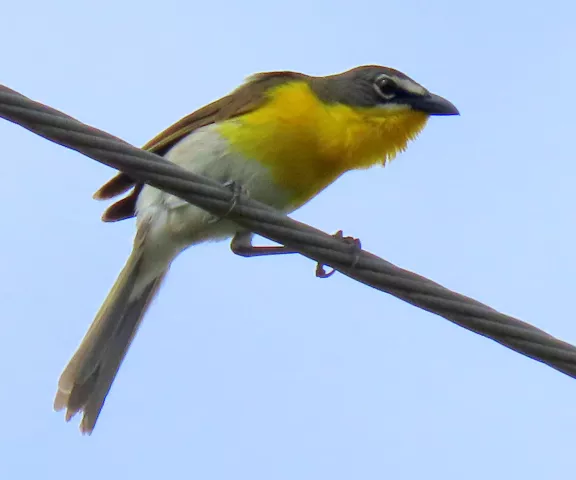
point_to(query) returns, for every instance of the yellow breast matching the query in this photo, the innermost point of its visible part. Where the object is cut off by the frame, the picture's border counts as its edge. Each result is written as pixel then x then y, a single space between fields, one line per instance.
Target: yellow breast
pixel 307 144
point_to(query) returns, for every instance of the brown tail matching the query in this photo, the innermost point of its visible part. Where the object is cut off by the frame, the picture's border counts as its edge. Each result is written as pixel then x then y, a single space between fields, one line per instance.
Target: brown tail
pixel 88 377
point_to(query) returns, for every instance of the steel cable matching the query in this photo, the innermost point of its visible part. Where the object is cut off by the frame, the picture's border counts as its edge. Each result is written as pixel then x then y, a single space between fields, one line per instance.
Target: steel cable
pixel 310 242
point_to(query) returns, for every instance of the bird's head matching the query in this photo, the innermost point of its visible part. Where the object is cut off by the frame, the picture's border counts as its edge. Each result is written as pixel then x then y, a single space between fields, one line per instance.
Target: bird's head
pixel 383 90
pixel 399 105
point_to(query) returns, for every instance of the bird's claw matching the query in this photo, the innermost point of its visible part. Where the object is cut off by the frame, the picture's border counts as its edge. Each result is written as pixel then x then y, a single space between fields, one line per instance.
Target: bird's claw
pixel 355 245
pixel 237 190
pixel 322 273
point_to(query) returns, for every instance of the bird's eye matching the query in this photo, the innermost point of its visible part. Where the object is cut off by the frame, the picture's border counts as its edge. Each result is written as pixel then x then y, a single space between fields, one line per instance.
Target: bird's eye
pixel 386 87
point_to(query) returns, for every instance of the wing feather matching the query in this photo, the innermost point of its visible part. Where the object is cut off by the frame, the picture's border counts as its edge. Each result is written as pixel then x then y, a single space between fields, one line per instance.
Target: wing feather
pixel 244 99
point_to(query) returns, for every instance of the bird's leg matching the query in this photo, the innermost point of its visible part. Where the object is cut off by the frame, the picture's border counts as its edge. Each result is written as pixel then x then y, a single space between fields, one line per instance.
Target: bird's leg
pixel 242 245
pixel 355 247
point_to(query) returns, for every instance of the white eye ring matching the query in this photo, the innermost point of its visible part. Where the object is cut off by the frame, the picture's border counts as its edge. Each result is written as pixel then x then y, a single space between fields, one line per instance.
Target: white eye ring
pixel 383 80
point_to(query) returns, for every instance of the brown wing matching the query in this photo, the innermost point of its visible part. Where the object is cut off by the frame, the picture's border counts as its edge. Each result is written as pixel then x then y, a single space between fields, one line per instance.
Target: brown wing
pixel 246 98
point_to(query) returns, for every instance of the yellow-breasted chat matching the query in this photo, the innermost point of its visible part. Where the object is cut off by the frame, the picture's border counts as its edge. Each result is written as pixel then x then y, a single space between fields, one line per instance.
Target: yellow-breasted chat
pixel 282 137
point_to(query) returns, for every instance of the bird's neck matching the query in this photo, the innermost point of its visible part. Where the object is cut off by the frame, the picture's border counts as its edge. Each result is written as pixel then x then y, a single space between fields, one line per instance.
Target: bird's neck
pixel 307 144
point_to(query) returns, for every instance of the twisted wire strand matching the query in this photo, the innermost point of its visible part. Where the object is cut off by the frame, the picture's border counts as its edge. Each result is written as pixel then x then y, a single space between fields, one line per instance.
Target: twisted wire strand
pixel 323 248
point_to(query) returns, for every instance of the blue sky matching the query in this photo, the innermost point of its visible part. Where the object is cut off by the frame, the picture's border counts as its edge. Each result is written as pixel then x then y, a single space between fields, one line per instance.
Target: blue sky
pixel 253 368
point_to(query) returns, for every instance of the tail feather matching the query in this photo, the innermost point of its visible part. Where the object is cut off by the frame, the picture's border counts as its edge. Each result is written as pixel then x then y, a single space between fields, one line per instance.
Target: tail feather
pixel 93 404
pixel 88 377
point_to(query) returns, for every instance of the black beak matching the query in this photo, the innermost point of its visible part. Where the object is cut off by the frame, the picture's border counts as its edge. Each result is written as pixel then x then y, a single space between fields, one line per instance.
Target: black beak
pixel 433 105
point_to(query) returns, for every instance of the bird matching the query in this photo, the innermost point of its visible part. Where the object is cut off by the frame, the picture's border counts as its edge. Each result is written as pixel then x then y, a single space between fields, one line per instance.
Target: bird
pixel 282 137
